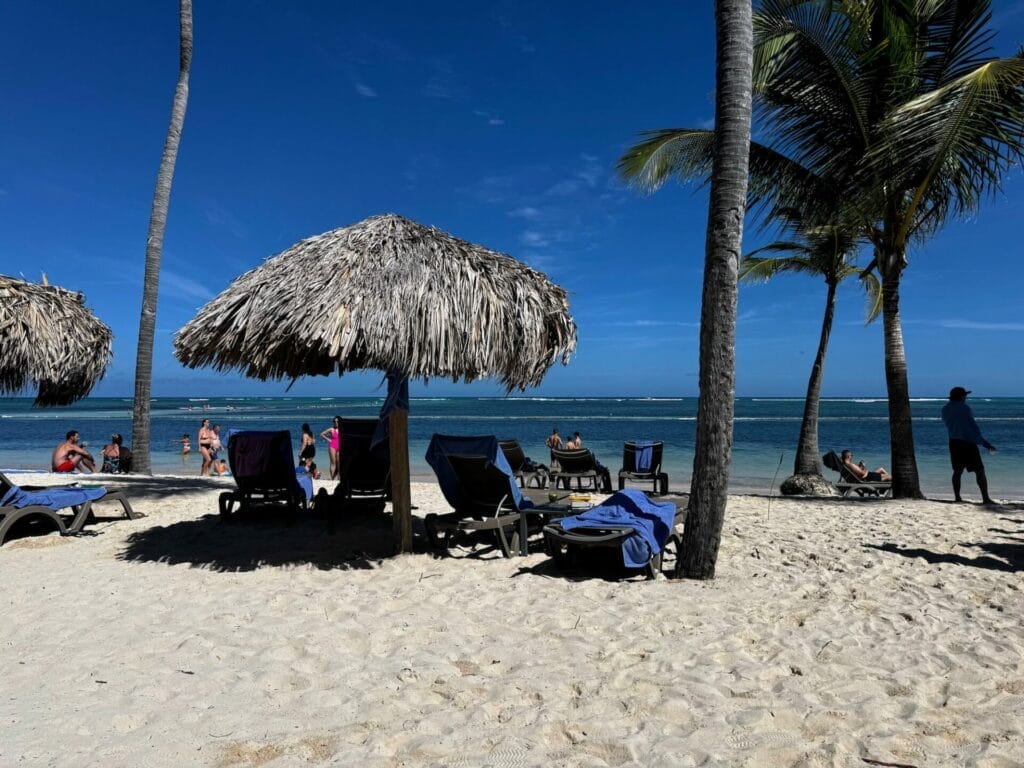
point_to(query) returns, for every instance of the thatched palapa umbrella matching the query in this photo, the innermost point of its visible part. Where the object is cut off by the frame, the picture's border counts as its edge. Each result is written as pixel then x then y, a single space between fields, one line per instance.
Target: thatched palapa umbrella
pixel 50 342
pixel 392 295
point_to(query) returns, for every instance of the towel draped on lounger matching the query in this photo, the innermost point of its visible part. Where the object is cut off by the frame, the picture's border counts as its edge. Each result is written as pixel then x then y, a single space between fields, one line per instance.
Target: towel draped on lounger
pixel 651 523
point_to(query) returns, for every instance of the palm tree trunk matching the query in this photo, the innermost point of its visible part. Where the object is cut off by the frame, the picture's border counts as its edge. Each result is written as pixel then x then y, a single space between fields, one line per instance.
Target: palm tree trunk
pixel 154 250
pixel 710 482
pixel 807 452
pixel 905 481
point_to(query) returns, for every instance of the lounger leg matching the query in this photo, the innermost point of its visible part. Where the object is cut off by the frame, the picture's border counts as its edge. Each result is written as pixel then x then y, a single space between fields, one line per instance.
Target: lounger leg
pixel 82 513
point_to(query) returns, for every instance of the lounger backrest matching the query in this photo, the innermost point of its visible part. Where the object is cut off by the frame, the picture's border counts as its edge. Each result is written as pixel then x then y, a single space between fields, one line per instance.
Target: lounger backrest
pixel 366 468
pixel 574 461
pixel 483 485
pixel 631 452
pixel 262 461
pixel 514 453
pixel 443 446
pixel 832 461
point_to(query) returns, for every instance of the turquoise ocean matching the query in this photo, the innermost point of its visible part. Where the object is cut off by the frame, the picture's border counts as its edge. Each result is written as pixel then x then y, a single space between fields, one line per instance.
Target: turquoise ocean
pixel 766 429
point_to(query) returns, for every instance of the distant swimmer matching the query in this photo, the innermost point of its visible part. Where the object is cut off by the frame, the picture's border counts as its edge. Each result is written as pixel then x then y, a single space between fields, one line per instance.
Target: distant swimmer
pixel 186 444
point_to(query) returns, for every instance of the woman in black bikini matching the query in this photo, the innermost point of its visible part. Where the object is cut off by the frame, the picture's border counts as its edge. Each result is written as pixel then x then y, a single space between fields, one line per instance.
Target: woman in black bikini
pixel 205 446
pixel 308 449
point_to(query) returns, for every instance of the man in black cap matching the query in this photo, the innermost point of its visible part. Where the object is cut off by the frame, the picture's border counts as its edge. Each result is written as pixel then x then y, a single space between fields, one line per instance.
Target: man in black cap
pixel 964 439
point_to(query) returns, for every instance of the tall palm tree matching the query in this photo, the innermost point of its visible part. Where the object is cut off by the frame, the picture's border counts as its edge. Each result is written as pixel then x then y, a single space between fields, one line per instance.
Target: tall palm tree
pixel 893 106
pixel 154 248
pixel 827 252
pixel 723 244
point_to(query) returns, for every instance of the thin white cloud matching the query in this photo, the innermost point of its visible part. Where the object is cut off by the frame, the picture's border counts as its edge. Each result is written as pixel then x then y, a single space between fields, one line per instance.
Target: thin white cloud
pixel 527 212
pixel 489 117
pixel 365 90
pixel 974 325
pixel 443 82
pixel 178 286
pixel 533 239
pixel 654 324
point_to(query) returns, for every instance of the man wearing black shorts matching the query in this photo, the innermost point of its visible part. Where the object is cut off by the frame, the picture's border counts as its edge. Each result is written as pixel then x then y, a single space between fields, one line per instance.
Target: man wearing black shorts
pixel 964 439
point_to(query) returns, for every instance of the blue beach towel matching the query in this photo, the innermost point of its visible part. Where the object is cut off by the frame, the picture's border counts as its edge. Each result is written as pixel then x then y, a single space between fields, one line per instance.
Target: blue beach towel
pixel 651 523
pixel 644 455
pixel 55 499
pixel 305 482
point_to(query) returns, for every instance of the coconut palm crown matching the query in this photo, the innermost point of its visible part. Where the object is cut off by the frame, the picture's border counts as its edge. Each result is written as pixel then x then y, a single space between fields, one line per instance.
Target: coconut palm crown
pixel 386 294
pixel 50 342
pixel 895 107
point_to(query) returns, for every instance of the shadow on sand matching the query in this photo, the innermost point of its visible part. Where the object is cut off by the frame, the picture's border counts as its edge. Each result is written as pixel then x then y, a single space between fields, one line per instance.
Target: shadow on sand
pixel 1005 556
pixel 268 537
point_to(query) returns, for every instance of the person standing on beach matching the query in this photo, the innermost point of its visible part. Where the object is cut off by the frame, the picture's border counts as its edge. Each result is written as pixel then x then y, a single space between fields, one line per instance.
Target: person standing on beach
pixel 69 456
pixel 308 448
pixel 205 445
pixel 554 442
pixel 217 464
pixel 964 439
pixel 333 437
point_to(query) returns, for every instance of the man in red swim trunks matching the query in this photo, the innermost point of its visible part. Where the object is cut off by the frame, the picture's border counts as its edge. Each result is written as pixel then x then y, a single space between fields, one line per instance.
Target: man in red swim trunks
pixel 69 456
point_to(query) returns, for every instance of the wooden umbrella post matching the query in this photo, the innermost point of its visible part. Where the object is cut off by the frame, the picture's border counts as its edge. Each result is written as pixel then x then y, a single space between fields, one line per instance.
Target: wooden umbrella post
pixel 401 502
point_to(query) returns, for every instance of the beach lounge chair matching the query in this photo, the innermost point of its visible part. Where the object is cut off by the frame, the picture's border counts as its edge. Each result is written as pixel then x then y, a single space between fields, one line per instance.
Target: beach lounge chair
pixel 641 462
pixel 850 483
pixel 65 509
pixel 262 468
pixel 477 482
pixel 526 473
pixel 365 468
pixel 639 528
pixel 581 466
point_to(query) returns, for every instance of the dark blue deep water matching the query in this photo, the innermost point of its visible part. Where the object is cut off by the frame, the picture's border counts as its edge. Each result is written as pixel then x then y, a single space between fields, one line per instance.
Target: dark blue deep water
pixel 766 428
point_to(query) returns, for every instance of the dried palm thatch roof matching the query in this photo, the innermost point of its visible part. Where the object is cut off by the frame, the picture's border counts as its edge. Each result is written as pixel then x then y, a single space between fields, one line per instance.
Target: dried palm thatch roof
pixel 386 294
pixel 49 340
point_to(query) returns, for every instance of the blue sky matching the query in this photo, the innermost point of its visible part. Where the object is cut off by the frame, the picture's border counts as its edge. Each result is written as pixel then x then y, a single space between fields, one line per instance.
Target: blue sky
pixel 499 122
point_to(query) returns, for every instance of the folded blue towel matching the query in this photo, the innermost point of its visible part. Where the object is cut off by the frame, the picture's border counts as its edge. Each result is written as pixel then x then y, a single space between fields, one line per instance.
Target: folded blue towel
pixel 644 455
pixel 51 498
pixel 651 522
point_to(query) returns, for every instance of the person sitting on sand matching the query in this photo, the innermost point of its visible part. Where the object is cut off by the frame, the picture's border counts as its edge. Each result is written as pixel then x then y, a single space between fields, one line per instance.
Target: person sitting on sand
pixel 861 472
pixel 70 456
pixel 112 454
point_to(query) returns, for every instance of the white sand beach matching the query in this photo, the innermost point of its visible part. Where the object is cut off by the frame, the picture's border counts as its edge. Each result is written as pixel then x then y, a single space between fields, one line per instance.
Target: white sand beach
pixel 836 633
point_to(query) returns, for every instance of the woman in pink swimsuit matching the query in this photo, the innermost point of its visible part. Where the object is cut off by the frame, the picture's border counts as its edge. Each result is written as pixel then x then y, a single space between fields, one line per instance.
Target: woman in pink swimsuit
pixel 333 437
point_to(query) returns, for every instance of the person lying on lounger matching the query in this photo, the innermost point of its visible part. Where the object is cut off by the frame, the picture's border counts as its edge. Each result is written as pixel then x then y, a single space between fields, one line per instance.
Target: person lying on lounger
pixel 861 472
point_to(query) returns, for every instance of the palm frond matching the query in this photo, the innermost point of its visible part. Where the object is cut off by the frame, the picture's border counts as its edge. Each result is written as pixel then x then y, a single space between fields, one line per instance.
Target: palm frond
pixel 681 152
pixel 809 89
pixel 873 290
pixel 760 270
pixel 951 146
